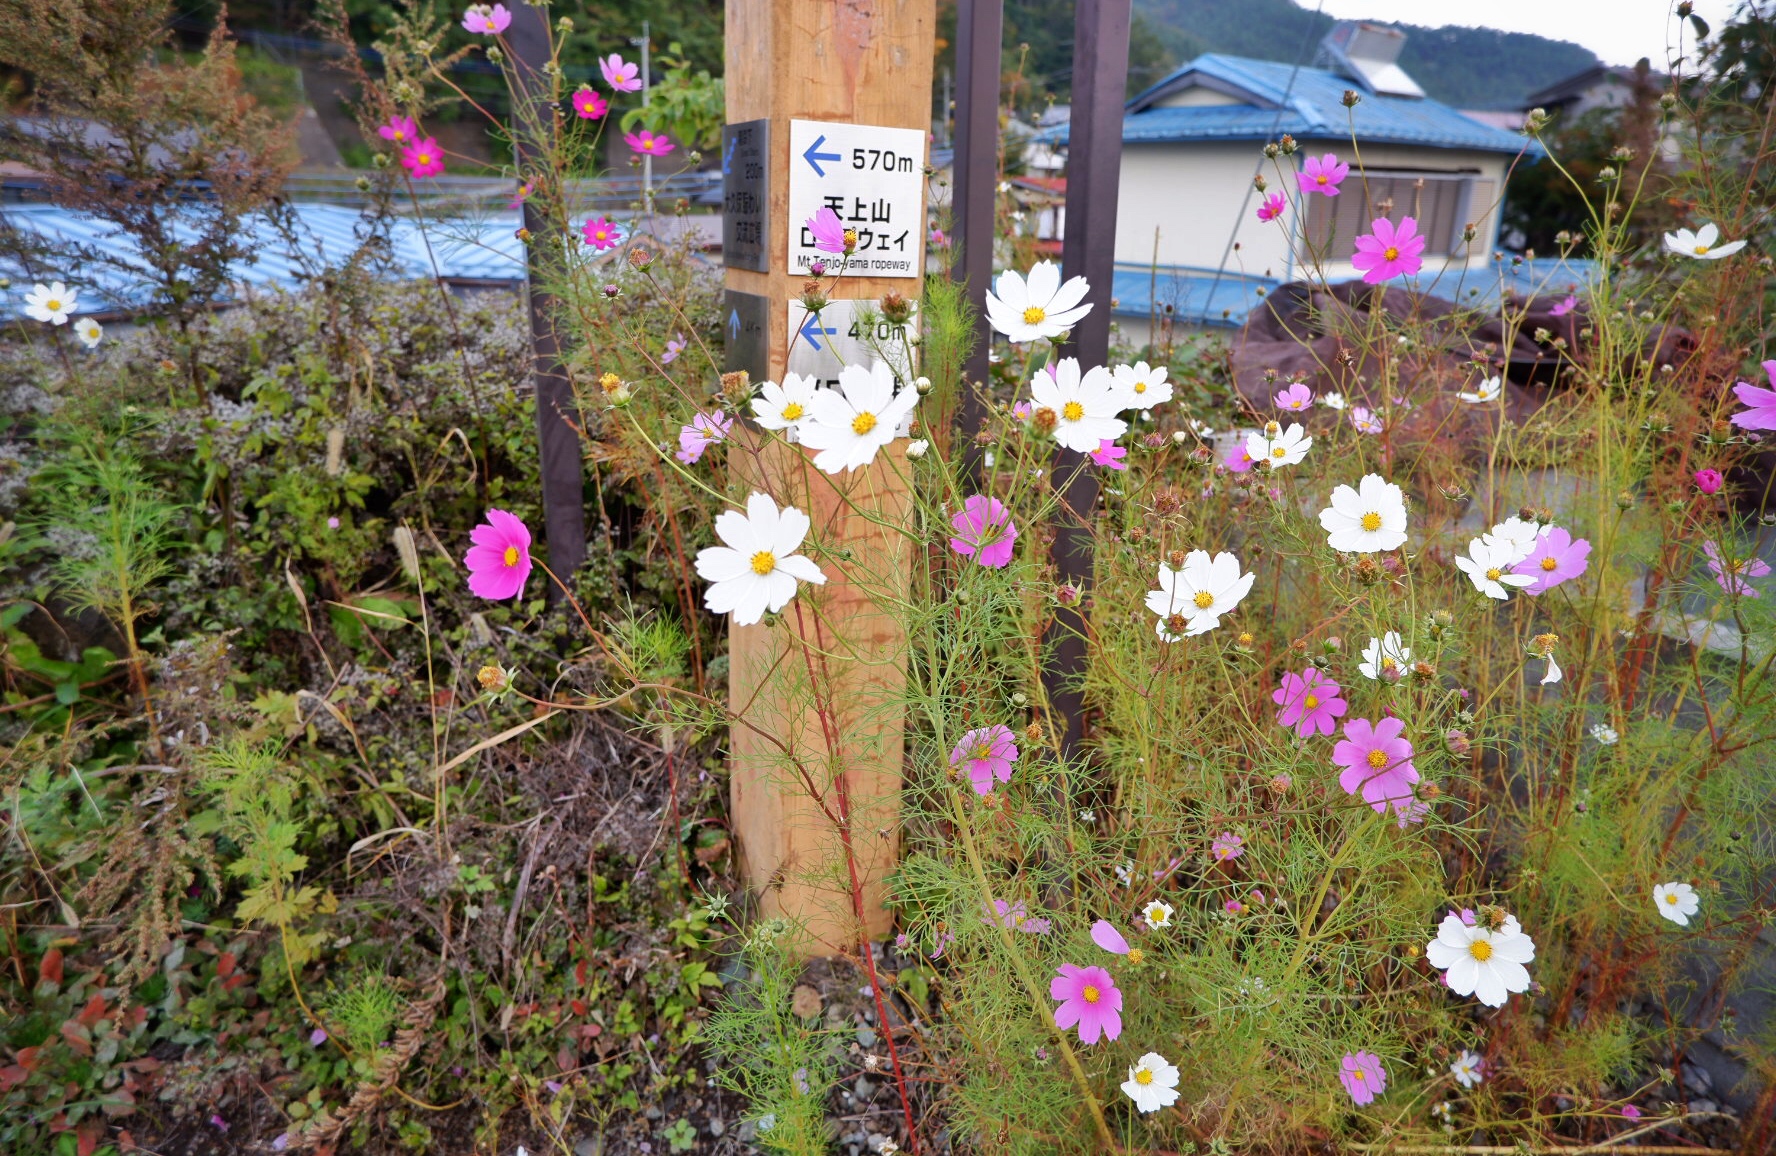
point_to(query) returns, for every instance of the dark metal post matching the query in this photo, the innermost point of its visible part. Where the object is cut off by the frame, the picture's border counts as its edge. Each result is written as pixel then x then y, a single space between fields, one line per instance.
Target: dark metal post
pixel 558 444
pixel 974 193
pixel 1088 249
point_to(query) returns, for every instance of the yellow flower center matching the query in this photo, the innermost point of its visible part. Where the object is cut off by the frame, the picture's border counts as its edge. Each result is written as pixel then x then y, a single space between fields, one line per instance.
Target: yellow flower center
pixel 792 411
pixel 1492 575
pixel 1378 758
pixel 1480 950
pixel 1140 387
pixel 863 423
pixel 54 305
pixel 1391 253
pixel 1279 452
pixel 1312 701
pixel 1321 179
pixel 511 555
pixel 1143 1077
pixel 981 751
pixel 1701 250
pixel 1371 521
pixel 1136 955
pixel 425 158
pixel 1034 315
pixel 1358 1074
pixel 1018 918
pixel 1389 664
pixel 1090 994
pixel 1203 600
pixel 1671 898
pixel 1072 411
pixel 764 562
pixel 1155 915
pixel 1549 564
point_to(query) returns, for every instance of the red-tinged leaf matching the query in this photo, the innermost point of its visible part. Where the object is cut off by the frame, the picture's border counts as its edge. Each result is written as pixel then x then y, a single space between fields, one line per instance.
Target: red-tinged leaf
pixel 593 1031
pixel 580 972
pixel 444 698
pixel 118 1103
pixel 90 1132
pixel 28 1058
pixel 145 1065
pixel 234 981
pixel 579 1007
pixel 225 964
pixel 50 970
pixel 93 1012
pixel 12 1075
pixel 78 1036
pixel 136 1016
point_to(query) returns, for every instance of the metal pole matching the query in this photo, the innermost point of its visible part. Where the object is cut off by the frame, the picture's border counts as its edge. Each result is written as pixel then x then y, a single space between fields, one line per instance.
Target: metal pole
pixel 1088 249
pixel 558 444
pixel 974 190
pixel 645 43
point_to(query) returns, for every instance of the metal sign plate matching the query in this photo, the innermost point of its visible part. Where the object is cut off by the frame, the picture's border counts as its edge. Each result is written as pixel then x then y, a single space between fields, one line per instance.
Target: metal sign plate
pixel 746 333
pixel 847 333
pixel 874 179
pixel 746 195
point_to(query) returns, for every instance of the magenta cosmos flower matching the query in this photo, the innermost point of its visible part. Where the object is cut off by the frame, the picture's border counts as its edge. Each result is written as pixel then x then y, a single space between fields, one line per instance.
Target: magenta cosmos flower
pixel 422 159
pixel 1295 399
pixel 989 753
pixel 828 230
pixel 649 143
pixel 984 531
pixel 1109 455
pixel 1226 846
pixel 1238 461
pixel 399 130
pixel 1389 252
pixel 1565 306
pixel 1366 420
pixel 1731 574
pixel 620 74
pixel 1556 558
pixel 1759 403
pixel 1377 759
pixel 589 105
pixel 1322 175
pixel 1710 481
pixel 602 234
pixel 1272 208
pixel 499 559
pixel 674 348
pixel 487 21
pixel 705 430
pixel 1016 917
pixel 1088 998
pixel 1362 1075
pixel 1105 935
pixel 1310 702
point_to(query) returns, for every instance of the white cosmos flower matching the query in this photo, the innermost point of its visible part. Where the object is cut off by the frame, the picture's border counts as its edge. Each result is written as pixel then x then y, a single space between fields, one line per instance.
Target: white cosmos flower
pixel 1277 447
pixel 1701 243
pixel 758 568
pixel 1554 673
pixel 1489 390
pixel 52 303
pixel 1152 1083
pixel 1467 1069
pixel 1039 307
pixel 1480 962
pixel 1676 902
pixel 1366 520
pixel 848 425
pixel 1333 400
pixel 1084 406
pixel 1140 385
pixel 786 406
pixel 89 331
pixel 1158 915
pixel 1385 657
pixel 1605 734
pixel 1488 565
pixel 1201 591
pixel 1517 533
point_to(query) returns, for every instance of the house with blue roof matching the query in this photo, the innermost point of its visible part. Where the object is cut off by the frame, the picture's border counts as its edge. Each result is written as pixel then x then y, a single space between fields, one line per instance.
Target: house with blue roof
pixel 1188 241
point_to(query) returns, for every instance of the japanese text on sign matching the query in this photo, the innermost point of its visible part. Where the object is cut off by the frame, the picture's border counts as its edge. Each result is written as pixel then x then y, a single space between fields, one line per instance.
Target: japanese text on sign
pixel 847 333
pixel 873 178
pixel 746 160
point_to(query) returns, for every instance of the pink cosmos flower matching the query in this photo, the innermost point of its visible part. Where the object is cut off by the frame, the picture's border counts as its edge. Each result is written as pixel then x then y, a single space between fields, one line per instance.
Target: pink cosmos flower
pixel 1322 174
pixel 1296 398
pixel 1233 907
pixel 620 74
pixel 1566 306
pixel 1089 998
pixel 1226 846
pixel 1366 420
pixel 487 21
pixel 1466 915
pixel 1310 702
pixel 1016 917
pixel 317 1037
pixel 1109 455
pixel 1759 403
pixel 423 159
pixel 522 195
pixel 1709 481
pixel 828 230
pixel 989 753
pixel 944 939
pixel 1558 557
pixel 1105 935
pixel 499 559
pixel 1362 1075
pixel 938 238
pixel 1389 252
pixel 1022 410
pixel 1272 208
pixel 1630 1111
pixel 1238 460
pixel 1410 811
pixel 705 430
pixel 984 531
pixel 589 104
pixel 649 143
pixel 1731 574
pixel 602 234
pixel 400 130
pixel 1377 759
pixel 673 348
pixel 333 522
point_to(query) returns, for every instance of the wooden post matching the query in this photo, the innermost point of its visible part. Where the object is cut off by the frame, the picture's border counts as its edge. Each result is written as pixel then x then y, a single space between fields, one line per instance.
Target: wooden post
pixel 847 63
pixel 973 189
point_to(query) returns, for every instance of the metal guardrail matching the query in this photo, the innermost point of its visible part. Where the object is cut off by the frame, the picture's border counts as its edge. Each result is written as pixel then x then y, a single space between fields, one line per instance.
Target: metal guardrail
pixel 493 194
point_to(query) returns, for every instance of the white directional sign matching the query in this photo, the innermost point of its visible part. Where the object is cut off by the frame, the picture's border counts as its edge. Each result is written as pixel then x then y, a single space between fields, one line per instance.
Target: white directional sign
pixel 844 334
pixel 873 178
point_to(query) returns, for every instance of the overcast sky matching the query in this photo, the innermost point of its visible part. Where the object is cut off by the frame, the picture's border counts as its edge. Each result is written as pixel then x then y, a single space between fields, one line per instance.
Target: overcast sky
pixel 1618 31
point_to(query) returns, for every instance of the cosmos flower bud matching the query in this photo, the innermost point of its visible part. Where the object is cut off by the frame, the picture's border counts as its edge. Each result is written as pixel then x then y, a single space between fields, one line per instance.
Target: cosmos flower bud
pixel 1271 151
pixel 817 268
pixel 1259 183
pixel 1288 145
pixel 1423 672
pixel 492 679
pixel 523 235
pixel 1067 594
pixel 1044 420
pixel 923 385
pixel 609 382
pixel 640 259
pixel 1457 742
pixel 813 299
pixel 736 386
pixel 1280 783
pixel 612 292
pixel 896 310
pixel 1351 98
pixel 1034 733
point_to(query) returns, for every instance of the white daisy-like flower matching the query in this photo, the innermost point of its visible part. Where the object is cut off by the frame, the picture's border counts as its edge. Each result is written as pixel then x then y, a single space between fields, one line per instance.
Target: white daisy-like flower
pixel 850 424
pixel 1518 533
pixel 1141 385
pixel 1197 594
pixel 90 332
pixel 1701 243
pixel 1084 405
pixel 1277 447
pixel 1605 734
pixel 1488 566
pixel 53 303
pixel 758 568
pixel 1152 1083
pixel 1468 1069
pixel 1553 673
pixel 1480 961
pixel 916 450
pixel 1489 390
pixel 786 406
pixel 1333 400
pixel 1385 657
pixel 1366 520
pixel 1676 902
pixel 1028 310
pixel 1158 915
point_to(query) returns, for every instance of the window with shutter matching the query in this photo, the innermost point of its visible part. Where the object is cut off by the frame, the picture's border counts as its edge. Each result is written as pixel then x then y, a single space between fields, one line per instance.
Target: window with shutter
pixel 1437 201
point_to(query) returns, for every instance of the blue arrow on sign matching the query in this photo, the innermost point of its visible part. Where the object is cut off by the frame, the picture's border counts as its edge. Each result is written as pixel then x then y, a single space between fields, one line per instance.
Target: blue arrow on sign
pixel 728 156
pixel 814 158
pixel 812 330
pixel 733 325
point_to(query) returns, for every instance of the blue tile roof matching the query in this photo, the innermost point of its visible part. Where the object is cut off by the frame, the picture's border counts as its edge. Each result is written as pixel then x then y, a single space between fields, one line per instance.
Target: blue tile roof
pixel 1312 110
